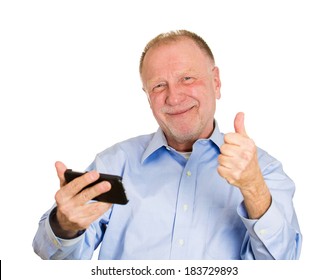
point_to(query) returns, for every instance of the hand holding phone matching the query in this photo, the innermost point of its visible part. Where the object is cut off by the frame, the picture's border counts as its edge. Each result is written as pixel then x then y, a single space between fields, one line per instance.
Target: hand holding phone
pixel 115 195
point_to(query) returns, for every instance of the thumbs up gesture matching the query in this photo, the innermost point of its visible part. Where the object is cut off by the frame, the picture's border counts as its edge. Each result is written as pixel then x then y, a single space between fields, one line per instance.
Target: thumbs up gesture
pixel 238 164
pixel 238 159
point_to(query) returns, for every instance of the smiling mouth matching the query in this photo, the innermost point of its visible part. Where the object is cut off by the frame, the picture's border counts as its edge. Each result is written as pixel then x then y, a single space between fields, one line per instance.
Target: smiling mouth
pixel 180 112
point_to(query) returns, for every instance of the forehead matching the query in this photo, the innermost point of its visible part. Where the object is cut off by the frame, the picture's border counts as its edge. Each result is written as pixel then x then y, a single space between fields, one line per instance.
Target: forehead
pixel 181 53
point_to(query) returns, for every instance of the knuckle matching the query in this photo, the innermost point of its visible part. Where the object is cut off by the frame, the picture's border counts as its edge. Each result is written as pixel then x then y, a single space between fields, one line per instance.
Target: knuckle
pixel 59 196
pixel 235 176
pixel 86 194
pixel 231 180
pixel 241 165
pixel 227 137
pixel 224 148
pixel 96 208
pixel 83 181
pixel 247 155
pixel 91 192
pixel 90 177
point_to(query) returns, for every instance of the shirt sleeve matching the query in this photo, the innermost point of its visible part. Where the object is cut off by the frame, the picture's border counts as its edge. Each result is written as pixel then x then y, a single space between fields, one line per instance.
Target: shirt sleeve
pixel 48 246
pixel 276 235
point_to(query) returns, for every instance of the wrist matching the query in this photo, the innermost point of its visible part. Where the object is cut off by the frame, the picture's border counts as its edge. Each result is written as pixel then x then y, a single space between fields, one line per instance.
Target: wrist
pixel 58 230
pixel 257 200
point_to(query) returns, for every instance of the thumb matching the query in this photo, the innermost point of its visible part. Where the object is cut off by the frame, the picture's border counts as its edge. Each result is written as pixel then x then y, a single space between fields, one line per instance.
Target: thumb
pixel 61 168
pixel 239 124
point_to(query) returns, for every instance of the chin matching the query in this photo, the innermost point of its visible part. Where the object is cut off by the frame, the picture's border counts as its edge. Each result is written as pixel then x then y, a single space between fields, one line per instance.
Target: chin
pixel 184 134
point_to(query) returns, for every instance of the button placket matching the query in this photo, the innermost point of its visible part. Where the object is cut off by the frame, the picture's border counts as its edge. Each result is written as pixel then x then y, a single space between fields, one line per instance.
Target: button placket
pixel 184 213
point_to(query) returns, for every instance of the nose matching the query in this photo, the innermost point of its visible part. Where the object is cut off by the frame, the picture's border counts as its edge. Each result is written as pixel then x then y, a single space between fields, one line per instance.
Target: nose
pixel 175 95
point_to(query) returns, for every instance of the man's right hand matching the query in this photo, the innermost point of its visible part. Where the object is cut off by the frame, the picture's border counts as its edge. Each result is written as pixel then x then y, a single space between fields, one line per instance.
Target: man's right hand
pixel 74 213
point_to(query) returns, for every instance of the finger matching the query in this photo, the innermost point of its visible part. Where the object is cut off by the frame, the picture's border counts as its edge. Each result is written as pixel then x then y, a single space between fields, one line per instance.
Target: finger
pixel 72 188
pixel 92 192
pixel 229 175
pixel 94 210
pixel 60 168
pixel 223 171
pixel 91 212
pixel 225 161
pixel 229 150
pixel 83 216
pixel 239 124
pixel 235 139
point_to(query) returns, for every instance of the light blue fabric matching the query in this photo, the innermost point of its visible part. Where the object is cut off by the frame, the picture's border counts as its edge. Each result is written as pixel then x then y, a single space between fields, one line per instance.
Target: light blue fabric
pixel 181 209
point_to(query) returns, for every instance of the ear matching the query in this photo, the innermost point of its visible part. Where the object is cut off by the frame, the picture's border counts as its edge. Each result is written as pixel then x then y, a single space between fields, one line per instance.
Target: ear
pixel 217 82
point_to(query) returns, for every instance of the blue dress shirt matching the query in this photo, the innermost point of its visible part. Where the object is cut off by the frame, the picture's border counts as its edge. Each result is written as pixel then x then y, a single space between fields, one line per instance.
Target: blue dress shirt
pixel 180 209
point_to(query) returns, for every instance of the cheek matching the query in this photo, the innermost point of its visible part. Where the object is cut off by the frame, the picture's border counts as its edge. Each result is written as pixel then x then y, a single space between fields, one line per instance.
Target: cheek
pixel 200 88
pixel 156 103
pixel 206 99
pixel 201 93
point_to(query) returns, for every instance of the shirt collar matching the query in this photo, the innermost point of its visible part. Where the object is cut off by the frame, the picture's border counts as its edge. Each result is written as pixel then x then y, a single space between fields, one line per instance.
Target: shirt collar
pixel 159 140
pixel 155 143
pixel 217 136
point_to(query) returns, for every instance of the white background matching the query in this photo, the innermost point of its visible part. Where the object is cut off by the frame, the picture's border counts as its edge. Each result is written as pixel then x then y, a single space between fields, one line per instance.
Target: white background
pixel 70 88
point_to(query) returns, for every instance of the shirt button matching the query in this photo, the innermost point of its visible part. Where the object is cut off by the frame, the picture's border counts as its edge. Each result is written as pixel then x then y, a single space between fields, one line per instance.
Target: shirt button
pixel 185 207
pixel 55 242
pixel 181 242
pixel 188 173
pixel 263 232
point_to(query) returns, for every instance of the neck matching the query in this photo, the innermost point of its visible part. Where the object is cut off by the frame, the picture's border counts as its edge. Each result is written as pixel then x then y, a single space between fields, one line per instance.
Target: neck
pixel 181 147
pixel 185 145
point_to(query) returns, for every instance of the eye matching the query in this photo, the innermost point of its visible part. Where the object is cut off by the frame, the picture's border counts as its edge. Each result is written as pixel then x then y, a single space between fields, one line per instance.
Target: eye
pixel 188 80
pixel 159 87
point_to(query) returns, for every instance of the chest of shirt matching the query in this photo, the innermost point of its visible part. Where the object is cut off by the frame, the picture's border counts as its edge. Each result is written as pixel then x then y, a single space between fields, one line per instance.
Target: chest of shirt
pixel 175 202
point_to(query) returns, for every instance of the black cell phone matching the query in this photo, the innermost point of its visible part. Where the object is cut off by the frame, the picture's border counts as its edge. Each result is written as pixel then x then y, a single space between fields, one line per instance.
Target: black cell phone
pixel 115 195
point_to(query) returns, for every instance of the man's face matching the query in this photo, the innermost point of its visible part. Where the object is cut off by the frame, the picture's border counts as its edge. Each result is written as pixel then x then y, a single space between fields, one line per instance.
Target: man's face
pixel 182 86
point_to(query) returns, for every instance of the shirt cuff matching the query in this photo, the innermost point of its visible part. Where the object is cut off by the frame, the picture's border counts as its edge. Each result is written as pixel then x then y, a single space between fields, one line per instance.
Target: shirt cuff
pixel 265 227
pixel 59 242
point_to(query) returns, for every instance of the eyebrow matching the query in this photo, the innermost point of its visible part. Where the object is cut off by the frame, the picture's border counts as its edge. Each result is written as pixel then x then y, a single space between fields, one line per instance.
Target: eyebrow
pixel 176 74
